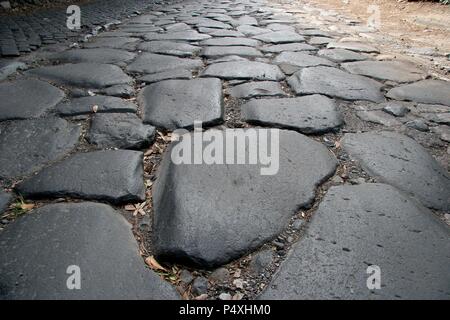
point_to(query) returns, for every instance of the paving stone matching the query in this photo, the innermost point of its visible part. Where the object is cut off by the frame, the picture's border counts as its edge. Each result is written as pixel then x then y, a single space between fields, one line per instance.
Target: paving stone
pixel 230 41
pixel 277 48
pixel 277 37
pixel 180 74
pixel 441 118
pixel 397 110
pixel 30 98
pixel 179 49
pixel 360 226
pixel 425 91
pixel 244 70
pixel 221 32
pixel 86 105
pixel 319 40
pixel 155 63
pixel 314 33
pixel 122 131
pixel 113 43
pixel 180 26
pixel 175 104
pixel 280 27
pixel 119 90
pixel 443 132
pixel 385 70
pixel 251 30
pixel 109 175
pixel 418 124
pixel 97 55
pixel 257 89
pixel 245 20
pixel 342 55
pixel 9 67
pixel 402 162
pixel 379 117
pixel 301 59
pixel 28 145
pixel 188 35
pixel 5 199
pixel 219 51
pixel 215 213
pixel 336 83
pixel 85 75
pixel 309 114
pixel 37 250
pixel 353 46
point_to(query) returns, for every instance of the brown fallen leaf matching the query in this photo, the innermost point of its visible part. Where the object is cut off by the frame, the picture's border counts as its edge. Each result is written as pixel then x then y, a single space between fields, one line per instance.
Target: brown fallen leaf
pixel 130 207
pixel 26 206
pixel 152 263
pixel 94 108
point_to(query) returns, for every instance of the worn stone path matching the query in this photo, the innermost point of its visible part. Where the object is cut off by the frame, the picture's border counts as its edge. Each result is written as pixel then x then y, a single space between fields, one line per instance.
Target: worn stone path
pixel 87 177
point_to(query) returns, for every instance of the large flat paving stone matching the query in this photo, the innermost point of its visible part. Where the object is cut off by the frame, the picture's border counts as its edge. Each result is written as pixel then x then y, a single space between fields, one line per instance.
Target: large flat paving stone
pixel 277 48
pixel 175 104
pixel 278 37
pixel 358 226
pixel 110 175
pixel 154 63
pixel 5 199
pixel 425 91
pixel 244 70
pixel 122 131
pixel 230 41
pixel 179 49
pixel 218 51
pixel 100 104
pixel 336 83
pixel 86 75
pixel 301 59
pixel 126 43
pixel 97 55
pixel 28 145
pixel 30 98
pixel 385 70
pixel 309 114
pixel 181 74
pixel 257 89
pixel 342 55
pixel 353 46
pixel 38 248
pixel 402 162
pixel 251 30
pixel 209 214
pixel 187 35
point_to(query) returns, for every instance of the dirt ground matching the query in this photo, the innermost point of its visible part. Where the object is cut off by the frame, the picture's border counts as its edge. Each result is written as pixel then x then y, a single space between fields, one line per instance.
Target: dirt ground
pixel 417 24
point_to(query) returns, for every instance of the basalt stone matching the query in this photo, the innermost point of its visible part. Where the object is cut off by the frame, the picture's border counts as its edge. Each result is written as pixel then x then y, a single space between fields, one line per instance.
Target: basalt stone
pixel 402 162
pixel 368 225
pixel 336 83
pixel 8 67
pixel 98 55
pixel 215 52
pixel 251 30
pixel 188 35
pixel 119 90
pixel 5 199
pixel 179 49
pixel 250 70
pixel 309 114
pixel 353 46
pixel 222 33
pixel 257 89
pixel 425 91
pixel 230 41
pixel 37 250
pixel 29 98
pixel 110 175
pixel 210 214
pixel 154 63
pixel 342 55
pixel 277 48
pixel 379 117
pixel 86 75
pixel 319 40
pixel 122 131
pixel 277 37
pixel 175 104
pixel 180 74
pixel 89 105
pixel 113 43
pixel 28 145
pixel 301 59
pixel 385 70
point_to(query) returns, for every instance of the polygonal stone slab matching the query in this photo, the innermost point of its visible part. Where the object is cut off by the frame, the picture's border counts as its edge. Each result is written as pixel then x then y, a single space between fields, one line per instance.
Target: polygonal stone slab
pixel 282 36
pixel 88 105
pixel 301 59
pixel 244 70
pixel 215 52
pixel 188 35
pixel 86 75
pixel 98 55
pixel 336 83
pixel 342 55
pixel 175 104
pixel 425 91
pixel 154 63
pixel 180 74
pixel 28 145
pixel 367 225
pixel 257 89
pixel 251 30
pixel 210 214
pixel 230 41
pixel 122 131
pixel 179 49
pixel 309 114
pixel 222 33
pixel 402 162
pixel 37 250
pixel 385 70
pixel 113 43
pixel 29 98
pixel 109 175
pixel 277 48
pixel 353 46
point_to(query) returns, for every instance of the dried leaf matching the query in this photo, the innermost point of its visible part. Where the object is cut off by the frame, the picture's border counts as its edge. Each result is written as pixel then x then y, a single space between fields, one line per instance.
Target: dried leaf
pixel 130 207
pixel 26 206
pixel 152 263
pixel 95 108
